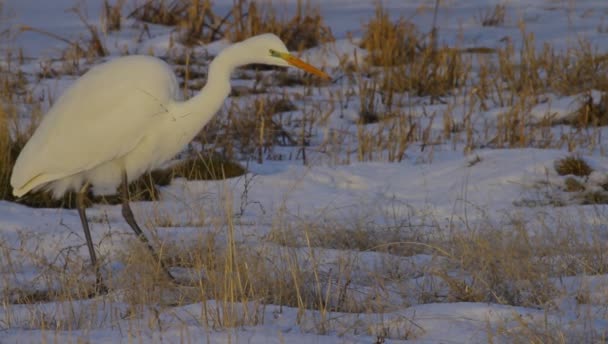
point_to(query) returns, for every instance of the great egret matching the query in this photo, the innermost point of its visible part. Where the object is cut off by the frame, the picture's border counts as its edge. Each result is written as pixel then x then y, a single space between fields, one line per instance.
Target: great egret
pixel 123 118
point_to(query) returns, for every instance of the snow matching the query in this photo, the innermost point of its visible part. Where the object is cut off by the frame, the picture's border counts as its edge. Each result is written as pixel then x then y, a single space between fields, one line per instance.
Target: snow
pixel 433 188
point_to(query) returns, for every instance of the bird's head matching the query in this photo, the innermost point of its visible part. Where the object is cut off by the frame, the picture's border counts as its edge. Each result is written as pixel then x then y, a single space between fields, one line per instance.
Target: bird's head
pixel 269 49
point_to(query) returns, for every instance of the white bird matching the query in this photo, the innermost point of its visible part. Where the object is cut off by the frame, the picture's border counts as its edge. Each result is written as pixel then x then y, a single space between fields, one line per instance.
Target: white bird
pixel 123 118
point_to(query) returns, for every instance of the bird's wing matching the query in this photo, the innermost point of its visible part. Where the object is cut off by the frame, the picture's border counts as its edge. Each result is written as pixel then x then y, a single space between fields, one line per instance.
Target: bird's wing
pixel 95 121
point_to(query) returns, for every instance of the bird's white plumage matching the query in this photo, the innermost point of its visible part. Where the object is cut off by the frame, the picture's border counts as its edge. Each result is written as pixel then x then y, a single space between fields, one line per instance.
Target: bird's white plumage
pixel 101 118
pixel 125 115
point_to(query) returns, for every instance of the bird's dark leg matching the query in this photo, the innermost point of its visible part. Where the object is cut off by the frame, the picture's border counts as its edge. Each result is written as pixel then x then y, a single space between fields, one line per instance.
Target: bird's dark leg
pixel 127 213
pixel 100 288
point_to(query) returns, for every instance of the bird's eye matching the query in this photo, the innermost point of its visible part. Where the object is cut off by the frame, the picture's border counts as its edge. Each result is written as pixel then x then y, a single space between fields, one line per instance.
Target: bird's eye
pixel 274 53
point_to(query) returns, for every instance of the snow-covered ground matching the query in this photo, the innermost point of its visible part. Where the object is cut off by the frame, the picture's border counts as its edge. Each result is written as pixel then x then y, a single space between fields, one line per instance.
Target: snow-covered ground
pixel 430 194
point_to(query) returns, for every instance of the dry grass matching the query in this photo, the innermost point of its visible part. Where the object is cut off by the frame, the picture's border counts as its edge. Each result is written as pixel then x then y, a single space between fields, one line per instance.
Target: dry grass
pixel 497 266
pixel 234 280
pixel 285 78
pixel 410 62
pixel 387 141
pixel 195 20
pixel 430 73
pixel 515 264
pixel 6 155
pixel 573 165
pixel 595 197
pixel 483 264
pixel 357 234
pixel 88 47
pixel 208 167
pixel 390 43
pixel 197 23
pixel 163 12
pixel 94 46
pixel 61 277
pixel 306 29
pixel 539 331
pixel 226 271
pixel 111 15
pixel 592 112
pixel 573 185
pixel 252 130
pixel 493 17
pixel 579 69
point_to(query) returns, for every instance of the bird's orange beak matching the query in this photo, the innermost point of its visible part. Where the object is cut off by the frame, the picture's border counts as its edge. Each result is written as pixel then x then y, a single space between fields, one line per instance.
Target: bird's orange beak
pixel 296 62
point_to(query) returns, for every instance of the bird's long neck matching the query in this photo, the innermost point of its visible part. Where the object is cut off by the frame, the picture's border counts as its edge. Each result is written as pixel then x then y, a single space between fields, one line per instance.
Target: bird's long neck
pixel 199 109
